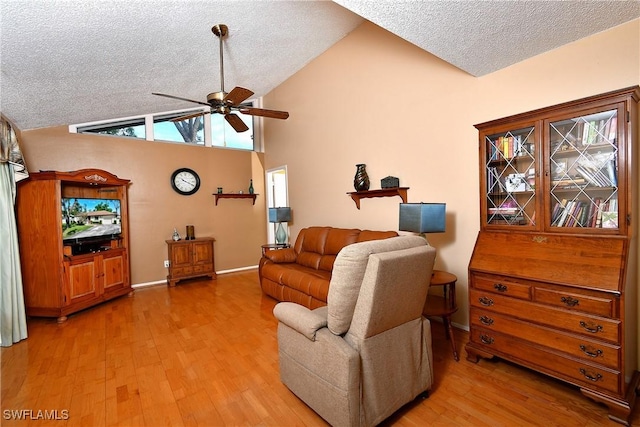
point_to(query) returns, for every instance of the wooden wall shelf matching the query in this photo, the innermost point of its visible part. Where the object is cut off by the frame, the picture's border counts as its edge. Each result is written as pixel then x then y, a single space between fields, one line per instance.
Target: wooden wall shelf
pixel 234 196
pixel 385 192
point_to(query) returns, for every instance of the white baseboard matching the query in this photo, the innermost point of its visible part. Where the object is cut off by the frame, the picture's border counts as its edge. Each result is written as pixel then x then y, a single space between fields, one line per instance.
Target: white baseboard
pixel 164 281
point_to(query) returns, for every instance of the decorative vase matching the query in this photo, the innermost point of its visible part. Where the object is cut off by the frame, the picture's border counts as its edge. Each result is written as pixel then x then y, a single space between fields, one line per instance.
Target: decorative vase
pixel 361 180
pixel 176 235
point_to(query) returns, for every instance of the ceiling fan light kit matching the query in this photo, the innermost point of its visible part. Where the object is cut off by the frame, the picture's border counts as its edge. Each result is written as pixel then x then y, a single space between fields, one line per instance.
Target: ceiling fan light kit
pixel 225 103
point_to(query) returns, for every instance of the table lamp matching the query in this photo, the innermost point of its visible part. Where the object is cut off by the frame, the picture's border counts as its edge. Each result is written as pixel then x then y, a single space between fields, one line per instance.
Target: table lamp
pixel 423 217
pixel 280 215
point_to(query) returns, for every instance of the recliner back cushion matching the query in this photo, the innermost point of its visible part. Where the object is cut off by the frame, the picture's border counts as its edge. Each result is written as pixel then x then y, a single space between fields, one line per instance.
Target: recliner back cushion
pixel 349 270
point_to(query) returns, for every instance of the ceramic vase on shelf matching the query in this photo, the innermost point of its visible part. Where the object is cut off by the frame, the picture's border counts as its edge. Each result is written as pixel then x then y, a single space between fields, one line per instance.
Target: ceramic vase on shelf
pixel 361 180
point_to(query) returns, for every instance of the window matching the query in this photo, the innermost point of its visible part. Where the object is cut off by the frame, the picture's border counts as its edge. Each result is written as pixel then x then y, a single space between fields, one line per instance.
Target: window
pixel 223 135
pixel 211 130
pixel 133 128
pixel 189 130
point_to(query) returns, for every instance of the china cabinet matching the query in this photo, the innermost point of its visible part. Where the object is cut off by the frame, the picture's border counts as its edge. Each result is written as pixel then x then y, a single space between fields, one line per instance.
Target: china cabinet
pixel 553 277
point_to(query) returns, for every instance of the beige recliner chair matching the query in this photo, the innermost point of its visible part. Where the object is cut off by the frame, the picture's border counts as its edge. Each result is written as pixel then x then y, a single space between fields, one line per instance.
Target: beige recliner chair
pixel 368 352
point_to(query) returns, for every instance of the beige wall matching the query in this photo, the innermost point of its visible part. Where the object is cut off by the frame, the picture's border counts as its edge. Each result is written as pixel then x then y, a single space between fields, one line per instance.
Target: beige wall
pixel 154 208
pixel 374 98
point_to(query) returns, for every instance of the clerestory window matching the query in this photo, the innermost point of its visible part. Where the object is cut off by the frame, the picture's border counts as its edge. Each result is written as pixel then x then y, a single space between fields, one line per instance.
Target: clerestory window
pixel 207 129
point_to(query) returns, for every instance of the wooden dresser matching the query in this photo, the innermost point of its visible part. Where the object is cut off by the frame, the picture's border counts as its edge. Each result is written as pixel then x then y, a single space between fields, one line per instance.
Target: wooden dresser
pixel 553 275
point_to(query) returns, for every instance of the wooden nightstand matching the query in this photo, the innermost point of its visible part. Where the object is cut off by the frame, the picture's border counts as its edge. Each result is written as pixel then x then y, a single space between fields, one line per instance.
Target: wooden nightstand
pixel 443 306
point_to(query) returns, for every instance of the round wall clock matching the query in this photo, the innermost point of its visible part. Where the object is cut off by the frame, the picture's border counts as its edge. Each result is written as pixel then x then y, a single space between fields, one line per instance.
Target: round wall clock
pixel 185 181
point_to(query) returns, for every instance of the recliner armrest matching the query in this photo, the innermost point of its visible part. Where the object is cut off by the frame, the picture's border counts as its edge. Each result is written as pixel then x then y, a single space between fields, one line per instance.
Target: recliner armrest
pixel 301 319
pixel 281 255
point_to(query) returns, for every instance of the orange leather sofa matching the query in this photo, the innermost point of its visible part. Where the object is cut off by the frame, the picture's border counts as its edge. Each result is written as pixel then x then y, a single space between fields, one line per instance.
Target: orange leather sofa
pixel 301 274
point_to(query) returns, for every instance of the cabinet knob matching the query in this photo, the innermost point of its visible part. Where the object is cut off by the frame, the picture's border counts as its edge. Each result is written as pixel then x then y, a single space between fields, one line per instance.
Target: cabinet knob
pixel 590 327
pixel 570 302
pixel 590 351
pixel 590 376
pixel 500 287
pixel 486 320
pixel 487 302
pixel 486 339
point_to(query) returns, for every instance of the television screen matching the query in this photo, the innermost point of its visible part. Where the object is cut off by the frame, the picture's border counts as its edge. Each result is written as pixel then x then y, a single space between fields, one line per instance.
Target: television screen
pixel 90 219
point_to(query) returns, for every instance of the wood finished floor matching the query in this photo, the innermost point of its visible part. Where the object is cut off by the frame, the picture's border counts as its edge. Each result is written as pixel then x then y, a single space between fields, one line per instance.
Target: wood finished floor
pixel 205 354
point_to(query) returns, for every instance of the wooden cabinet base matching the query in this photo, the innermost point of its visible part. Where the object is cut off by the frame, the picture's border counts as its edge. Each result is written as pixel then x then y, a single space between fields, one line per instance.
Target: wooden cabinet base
pixel 619 409
pixel 173 282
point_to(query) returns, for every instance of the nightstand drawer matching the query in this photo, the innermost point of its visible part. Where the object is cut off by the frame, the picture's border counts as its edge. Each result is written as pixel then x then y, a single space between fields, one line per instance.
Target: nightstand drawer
pixel 502 286
pixel 601 306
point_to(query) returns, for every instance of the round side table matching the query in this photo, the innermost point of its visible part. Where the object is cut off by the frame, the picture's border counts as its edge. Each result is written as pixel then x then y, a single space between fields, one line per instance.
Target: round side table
pixel 443 306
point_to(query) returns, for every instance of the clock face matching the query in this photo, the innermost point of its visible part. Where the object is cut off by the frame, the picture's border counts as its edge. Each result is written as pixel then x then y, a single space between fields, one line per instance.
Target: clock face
pixel 185 181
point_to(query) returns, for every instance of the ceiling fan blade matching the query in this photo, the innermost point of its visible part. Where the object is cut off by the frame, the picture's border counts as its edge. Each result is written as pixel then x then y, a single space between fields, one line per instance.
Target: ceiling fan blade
pixel 236 122
pixel 273 114
pixel 188 116
pixel 237 95
pixel 181 99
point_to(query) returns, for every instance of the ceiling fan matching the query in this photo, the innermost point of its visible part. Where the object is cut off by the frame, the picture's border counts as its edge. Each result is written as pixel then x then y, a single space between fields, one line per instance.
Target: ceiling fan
pixel 226 103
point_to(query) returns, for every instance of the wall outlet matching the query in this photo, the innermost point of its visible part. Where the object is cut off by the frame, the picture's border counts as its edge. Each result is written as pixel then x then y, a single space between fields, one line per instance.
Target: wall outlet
pixel 166 263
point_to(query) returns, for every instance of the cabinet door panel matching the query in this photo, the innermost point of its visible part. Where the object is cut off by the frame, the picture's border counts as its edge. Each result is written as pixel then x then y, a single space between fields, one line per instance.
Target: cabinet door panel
pixel 181 255
pixel 202 252
pixel 113 270
pixel 83 281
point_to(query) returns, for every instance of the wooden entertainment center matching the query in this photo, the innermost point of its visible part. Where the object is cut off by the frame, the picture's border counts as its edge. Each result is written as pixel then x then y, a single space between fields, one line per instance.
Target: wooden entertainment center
pixel 61 274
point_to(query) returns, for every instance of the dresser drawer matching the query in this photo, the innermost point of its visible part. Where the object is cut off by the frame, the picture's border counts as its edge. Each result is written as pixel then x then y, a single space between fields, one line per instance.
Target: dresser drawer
pixel 502 286
pixel 600 306
pixel 553 363
pixel 590 350
pixel 181 271
pixel 597 328
pixel 203 268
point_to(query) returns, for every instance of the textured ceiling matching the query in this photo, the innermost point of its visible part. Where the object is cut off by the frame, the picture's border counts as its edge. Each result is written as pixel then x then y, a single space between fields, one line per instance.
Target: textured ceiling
pixel 64 61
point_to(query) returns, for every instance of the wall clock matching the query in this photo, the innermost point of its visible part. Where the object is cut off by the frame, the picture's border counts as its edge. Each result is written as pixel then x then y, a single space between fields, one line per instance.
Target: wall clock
pixel 185 181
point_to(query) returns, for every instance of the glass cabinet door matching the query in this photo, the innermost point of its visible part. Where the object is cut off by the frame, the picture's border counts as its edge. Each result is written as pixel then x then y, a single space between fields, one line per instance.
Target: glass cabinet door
pixel 510 178
pixel 583 171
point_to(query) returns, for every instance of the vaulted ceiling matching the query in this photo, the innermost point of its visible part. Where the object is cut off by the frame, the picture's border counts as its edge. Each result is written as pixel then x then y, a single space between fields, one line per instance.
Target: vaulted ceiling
pixel 65 62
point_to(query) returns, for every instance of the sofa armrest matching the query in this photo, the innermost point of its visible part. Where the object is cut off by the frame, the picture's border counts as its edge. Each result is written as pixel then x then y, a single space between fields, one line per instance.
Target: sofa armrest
pixel 281 255
pixel 301 319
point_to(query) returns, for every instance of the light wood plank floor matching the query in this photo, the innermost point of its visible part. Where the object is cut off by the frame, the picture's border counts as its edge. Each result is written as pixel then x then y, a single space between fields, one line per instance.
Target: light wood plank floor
pixel 205 354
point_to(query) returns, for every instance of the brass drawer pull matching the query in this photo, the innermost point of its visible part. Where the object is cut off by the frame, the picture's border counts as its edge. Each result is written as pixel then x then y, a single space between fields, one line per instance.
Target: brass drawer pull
pixel 570 302
pixel 591 327
pixel 487 302
pixel 590 376
pixel 500 287
pixel 589 351
pixel 486 339
pixel 486 320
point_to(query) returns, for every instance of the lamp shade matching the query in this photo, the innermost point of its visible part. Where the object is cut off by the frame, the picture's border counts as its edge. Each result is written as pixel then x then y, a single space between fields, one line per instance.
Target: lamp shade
pixel 280 214
pixel 423 217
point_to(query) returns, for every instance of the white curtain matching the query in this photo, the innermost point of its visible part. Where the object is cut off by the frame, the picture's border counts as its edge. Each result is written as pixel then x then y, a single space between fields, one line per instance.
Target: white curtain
pixel 13 319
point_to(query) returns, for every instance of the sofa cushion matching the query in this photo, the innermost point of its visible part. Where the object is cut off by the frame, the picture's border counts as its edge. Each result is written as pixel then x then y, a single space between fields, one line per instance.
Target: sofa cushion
pixel 317 247
pixel 348 272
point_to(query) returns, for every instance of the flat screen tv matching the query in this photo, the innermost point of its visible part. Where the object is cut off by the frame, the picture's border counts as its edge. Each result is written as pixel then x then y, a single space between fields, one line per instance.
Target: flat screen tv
pixel 87 220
